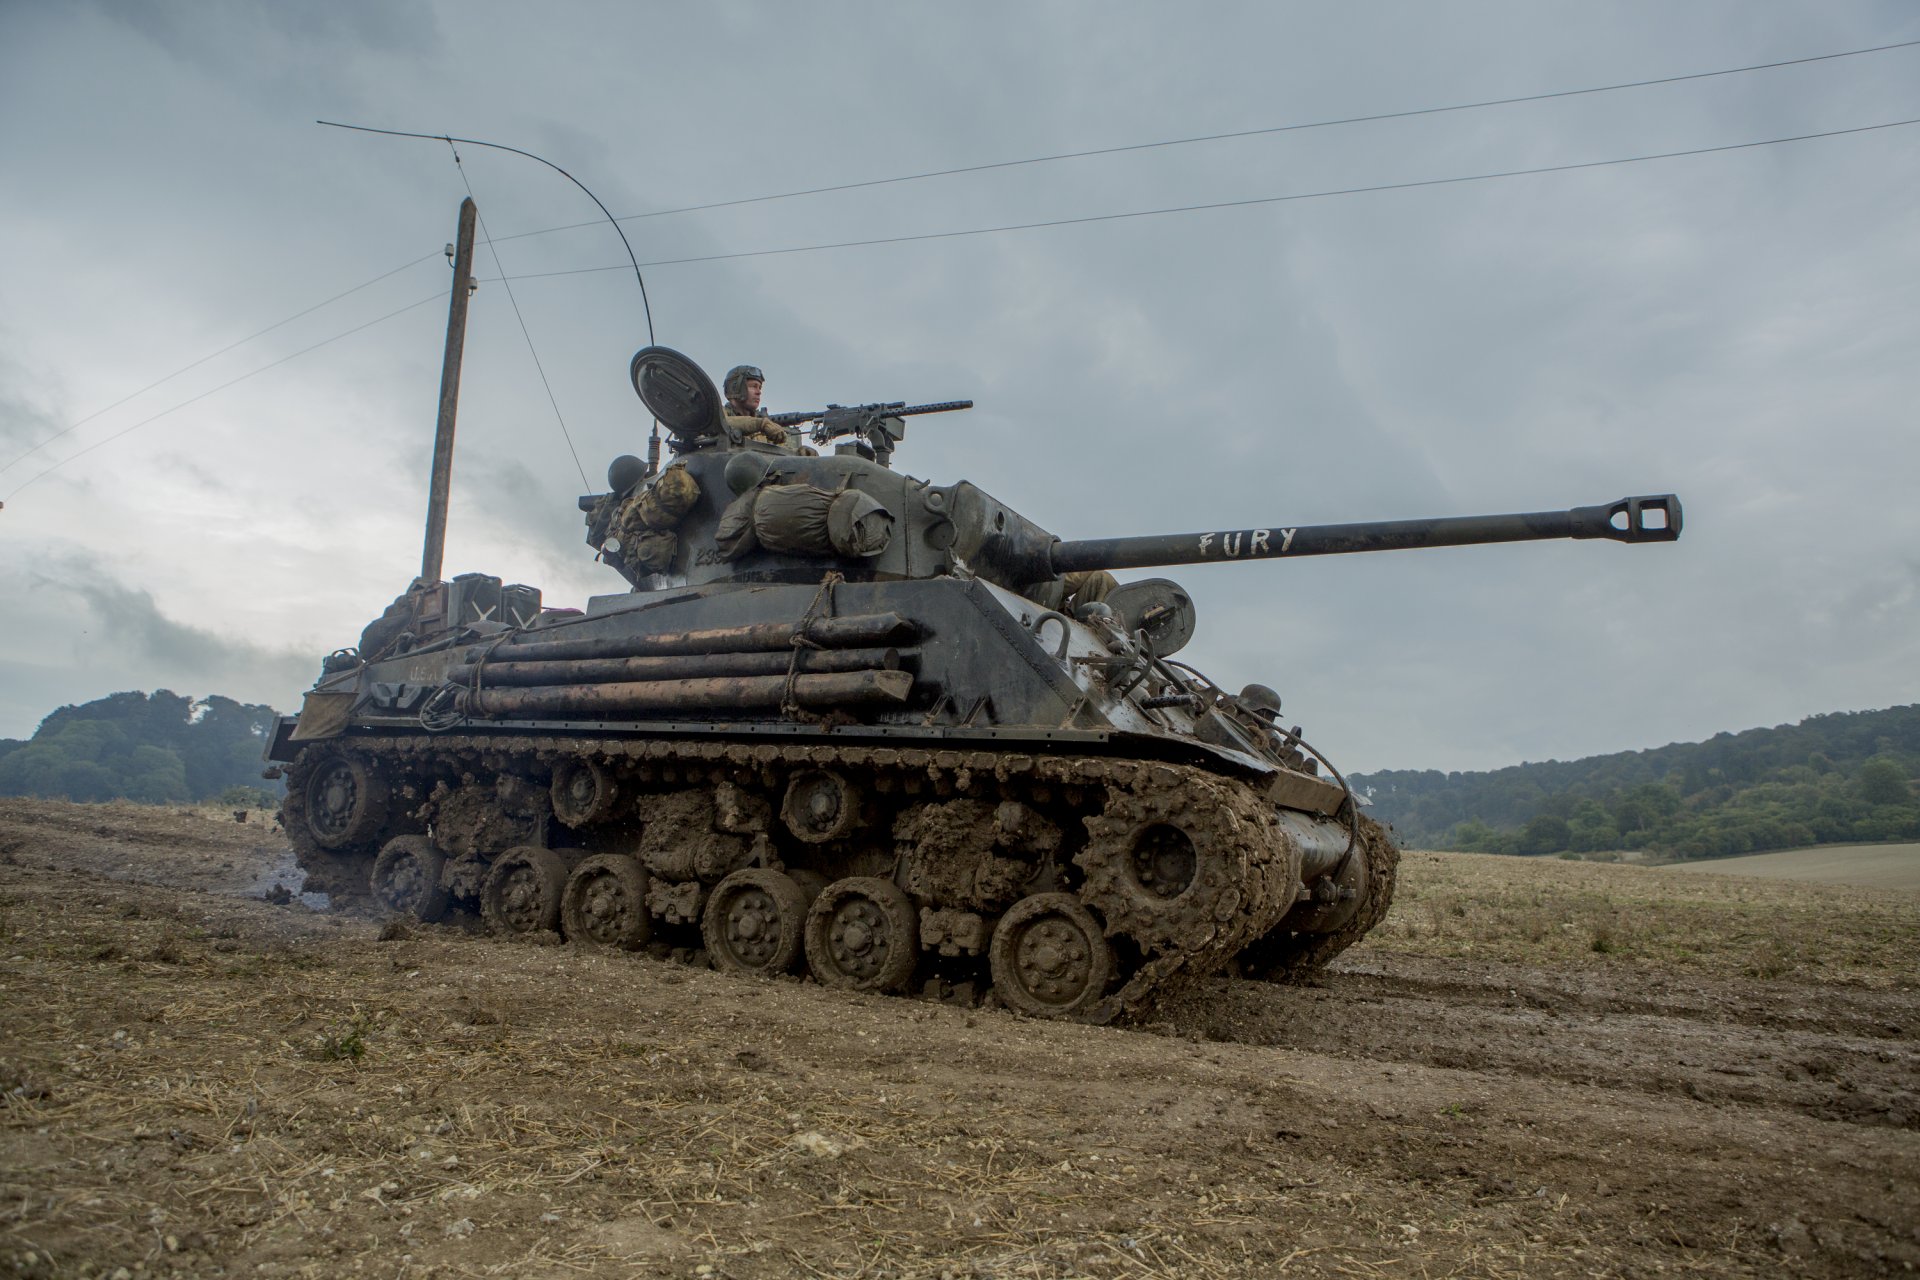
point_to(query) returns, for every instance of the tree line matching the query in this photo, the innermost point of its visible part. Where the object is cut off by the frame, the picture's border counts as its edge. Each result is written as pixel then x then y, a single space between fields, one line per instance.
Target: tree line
pixel 156 748
pixel 1830 779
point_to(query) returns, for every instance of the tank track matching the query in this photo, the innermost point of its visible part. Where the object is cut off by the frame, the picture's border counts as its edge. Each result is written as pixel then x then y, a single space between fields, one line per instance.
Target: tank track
pixel 1091 818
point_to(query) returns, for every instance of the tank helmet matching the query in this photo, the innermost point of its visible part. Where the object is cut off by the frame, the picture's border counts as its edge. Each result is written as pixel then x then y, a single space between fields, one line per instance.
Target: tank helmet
pixel 1260 700
pixel 625 472
pixel 739 376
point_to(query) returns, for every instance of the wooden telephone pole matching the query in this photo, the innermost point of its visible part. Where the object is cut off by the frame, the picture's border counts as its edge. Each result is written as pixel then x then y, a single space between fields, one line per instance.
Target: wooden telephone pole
pixel 442 481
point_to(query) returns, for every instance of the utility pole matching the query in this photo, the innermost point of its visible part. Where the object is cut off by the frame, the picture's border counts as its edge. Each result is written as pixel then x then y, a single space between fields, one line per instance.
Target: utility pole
pixel 442 482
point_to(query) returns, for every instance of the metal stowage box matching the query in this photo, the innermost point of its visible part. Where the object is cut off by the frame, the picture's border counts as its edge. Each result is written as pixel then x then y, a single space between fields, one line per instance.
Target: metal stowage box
pixel 473 597
pixel 519 605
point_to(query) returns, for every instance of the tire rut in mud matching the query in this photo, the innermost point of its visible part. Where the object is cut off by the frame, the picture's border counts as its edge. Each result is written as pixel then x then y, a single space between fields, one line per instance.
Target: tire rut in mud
pixel 1771 1053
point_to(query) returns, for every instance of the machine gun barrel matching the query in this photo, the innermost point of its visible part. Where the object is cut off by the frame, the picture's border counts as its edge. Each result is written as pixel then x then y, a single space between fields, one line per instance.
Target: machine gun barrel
pixel 893 409
pixel 1624 521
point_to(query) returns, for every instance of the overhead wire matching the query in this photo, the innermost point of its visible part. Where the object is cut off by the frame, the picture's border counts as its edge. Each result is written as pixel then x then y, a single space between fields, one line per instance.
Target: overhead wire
pixel 1226 136
pixel 432 297
pixel 1229 204
pixel 504 278
pixel 515 303
pixel 188 368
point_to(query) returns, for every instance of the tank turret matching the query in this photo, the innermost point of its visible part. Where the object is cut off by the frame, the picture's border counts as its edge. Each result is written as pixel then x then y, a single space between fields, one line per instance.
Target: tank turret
pixel 934 529
pixel 847 720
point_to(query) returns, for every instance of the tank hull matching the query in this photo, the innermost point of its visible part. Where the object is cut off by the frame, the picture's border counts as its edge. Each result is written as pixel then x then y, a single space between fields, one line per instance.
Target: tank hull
pixel 991 814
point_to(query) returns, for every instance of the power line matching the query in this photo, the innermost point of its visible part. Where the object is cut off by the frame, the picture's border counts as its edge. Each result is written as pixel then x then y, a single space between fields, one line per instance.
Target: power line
pixel 1229 204
pixel 203 359
pixel 937 173
pixel 975 231
pixel 1222 137
pixel 434 296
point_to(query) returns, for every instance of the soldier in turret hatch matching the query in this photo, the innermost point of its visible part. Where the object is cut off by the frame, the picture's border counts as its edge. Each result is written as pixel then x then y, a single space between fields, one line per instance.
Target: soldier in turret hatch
pixel 744 414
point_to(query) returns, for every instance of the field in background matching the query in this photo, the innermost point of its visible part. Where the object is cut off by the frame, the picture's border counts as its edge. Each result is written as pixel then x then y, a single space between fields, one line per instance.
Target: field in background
pixel 1543 911
pixel 1870 866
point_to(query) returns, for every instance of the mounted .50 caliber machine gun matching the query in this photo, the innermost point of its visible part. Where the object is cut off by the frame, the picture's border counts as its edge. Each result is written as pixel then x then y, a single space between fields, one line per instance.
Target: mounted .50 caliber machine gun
pixel 878 426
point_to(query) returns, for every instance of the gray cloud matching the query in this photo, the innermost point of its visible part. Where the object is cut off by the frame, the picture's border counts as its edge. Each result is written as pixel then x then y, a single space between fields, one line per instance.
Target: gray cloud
pixel 24 423
pixel 1731 327
pixel 78 631
pixel 229 37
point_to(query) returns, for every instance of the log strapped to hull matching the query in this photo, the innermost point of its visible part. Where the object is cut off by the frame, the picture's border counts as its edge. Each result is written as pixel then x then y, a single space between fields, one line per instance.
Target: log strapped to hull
pixel 816 663
pixel 725 693
pixel 851 631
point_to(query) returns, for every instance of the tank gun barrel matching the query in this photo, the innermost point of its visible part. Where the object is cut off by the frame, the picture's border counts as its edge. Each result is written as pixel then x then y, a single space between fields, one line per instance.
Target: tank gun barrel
pixel 1624 521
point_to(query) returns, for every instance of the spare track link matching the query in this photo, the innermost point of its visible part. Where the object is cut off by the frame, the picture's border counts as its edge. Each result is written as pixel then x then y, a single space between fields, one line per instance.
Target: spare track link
pixel 1235 912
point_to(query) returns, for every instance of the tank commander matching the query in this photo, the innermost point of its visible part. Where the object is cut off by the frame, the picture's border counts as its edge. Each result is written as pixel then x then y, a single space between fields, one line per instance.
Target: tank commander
pixel 744 413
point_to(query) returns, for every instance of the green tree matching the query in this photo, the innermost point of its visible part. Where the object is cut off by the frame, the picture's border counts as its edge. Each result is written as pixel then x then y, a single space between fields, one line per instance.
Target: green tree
pixel 1590 828
pixel 1475 836
pixel 1547 833
pixel 1882 781
pixel 157 748
pixel 154 775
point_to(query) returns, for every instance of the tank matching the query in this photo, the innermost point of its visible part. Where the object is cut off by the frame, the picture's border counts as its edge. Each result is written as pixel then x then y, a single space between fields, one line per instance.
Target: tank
pixel 849 723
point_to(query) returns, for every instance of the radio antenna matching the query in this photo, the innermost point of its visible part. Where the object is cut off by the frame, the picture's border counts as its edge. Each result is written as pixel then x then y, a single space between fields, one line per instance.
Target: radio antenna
pixel 653 445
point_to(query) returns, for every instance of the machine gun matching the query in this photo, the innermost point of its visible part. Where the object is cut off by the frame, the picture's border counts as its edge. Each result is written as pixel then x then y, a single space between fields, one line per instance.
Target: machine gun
pixel 878 426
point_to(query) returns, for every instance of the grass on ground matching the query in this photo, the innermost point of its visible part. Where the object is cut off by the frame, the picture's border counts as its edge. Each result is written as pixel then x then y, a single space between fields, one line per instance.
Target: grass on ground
pixel 1549 911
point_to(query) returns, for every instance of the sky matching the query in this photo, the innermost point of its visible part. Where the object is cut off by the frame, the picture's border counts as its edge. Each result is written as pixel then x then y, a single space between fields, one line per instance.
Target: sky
pixel 1737 327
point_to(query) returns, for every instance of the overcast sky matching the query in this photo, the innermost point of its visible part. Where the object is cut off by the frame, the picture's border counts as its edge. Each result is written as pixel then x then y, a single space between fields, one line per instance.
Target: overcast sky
pixel 1740 328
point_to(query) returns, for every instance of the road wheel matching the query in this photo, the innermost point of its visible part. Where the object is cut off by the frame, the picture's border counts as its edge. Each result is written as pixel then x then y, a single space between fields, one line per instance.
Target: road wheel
pixel 344 801
pixel 407 878
pixel 754 922
pixel 1050 958
pixel 522 892
pixel 604 904
pixel 583 792
pixel 863 934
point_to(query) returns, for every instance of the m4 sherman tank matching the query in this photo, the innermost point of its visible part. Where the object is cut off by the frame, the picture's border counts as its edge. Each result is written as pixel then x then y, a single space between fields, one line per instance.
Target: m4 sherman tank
pixel 887 731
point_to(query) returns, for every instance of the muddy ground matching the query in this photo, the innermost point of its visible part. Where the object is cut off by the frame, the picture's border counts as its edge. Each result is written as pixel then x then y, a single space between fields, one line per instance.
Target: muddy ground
pixel 198 1082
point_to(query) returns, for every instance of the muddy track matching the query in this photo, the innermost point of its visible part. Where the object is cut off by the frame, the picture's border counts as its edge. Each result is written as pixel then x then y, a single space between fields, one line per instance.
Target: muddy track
pixel 1851 1056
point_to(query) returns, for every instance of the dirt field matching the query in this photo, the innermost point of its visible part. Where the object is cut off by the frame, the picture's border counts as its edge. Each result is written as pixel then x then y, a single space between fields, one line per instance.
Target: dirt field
pixel 1536 1069
pixel 1886 866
